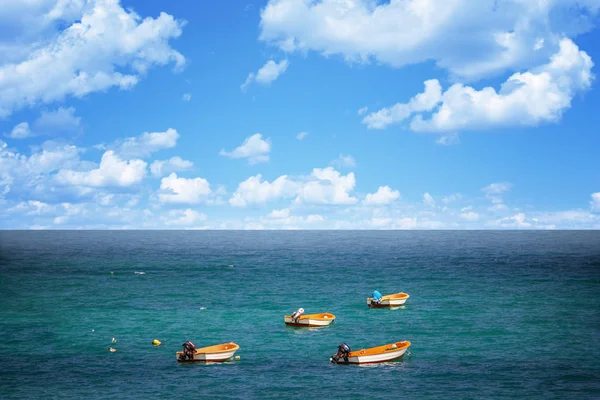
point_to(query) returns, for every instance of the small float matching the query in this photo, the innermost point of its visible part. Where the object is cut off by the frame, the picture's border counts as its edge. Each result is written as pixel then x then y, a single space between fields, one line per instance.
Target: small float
pixel 373 355
pixel 299 319
pixel 390 300
pixel 217 353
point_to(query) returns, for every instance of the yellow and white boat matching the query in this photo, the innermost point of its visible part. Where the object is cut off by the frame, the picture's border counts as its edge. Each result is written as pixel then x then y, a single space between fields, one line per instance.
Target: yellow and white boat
pixel 373 355
pixel 310 320
pixel 217 353
pixel 389 300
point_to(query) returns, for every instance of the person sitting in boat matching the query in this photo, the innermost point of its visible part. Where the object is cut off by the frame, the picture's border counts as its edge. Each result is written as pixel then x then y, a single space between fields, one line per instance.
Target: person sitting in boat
pixel 296 314
pixel 376 297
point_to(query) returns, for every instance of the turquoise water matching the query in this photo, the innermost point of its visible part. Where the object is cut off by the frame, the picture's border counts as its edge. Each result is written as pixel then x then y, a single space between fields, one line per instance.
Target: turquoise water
pixel 491 314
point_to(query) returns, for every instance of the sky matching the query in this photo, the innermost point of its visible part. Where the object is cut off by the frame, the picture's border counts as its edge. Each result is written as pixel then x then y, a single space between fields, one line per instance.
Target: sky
pixel 299 114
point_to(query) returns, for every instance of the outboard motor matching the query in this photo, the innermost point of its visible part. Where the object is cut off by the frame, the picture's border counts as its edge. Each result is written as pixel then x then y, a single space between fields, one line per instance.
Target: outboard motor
pixel 188 351
pixel 296 315
pixel 376 297
pixel 342 353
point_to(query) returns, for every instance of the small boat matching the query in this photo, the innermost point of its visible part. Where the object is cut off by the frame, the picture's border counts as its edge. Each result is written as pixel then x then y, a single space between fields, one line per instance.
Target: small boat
pixel 217 353
pixel 310 320
pixel 373 355
pixel 389 300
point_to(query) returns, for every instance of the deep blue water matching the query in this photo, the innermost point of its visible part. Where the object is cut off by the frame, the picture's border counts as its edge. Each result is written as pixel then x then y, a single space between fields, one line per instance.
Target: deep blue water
pixel 491 314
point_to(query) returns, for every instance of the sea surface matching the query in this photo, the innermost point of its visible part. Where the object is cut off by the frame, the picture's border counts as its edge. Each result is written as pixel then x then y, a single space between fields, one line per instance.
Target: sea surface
pixel 491 314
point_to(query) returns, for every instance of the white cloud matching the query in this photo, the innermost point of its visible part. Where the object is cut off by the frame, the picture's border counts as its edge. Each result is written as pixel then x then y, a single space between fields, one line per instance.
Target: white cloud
pixel 283 218
pixel 301 135
pixel 539 95
pixel 384 195
pixel 266 74
pixel 362 111
pixel 146 143
pixel 20 131
pixel 160 168
pixel 284 213
pixel 428 200
pixel 186 97
pixel 406 223
pixel 595 202
pixel 314 218
pixel 327 186
pixel 448 140
pixel 470 39
pixel 451 198
pixel 113 171
pixel 184 217
pixel 425 101
pixel 497 188
pixel 254 148
pixel 516 221
pixel 470 216
pixel 183 190
pixel 322 186
pixel 497 207
pixel 256 191
pixel 62 120
pixel 106 47
pixel 344 161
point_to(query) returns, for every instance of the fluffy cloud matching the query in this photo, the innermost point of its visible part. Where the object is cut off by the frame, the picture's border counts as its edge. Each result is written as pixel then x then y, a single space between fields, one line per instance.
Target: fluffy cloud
pixel 113 171
pixel 595 202
pixel 284 213
pixel 425 101
pixel 184 217
pixel 62 120
pixel 20 131
pixel 529 98
pixel 160 168
pixel 183 190
pixel 327 186
pixel 266 74
pixel 470 39
pixel 34 172
pixel 344 161
pixel 470 216
pixel 428 200
pixel 497 188
pixel 384 195
pixel 254 148
pixel 106 47
pixel 283 219
pixel 146 143
pixel 322 186
pixel 451 198
pixel 256 191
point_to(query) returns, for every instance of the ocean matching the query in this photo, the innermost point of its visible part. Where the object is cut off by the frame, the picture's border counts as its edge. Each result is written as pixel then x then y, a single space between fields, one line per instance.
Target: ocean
pixel 491 314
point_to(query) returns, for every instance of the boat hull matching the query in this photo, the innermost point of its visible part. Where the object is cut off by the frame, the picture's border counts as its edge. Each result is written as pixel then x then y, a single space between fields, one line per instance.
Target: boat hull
pixel 377 355
pixel 309 321
pixel 389 301
pixel 224 353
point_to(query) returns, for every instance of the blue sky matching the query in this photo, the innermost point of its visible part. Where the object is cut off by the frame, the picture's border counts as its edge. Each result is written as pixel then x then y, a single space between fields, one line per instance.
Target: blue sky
pixel 298 114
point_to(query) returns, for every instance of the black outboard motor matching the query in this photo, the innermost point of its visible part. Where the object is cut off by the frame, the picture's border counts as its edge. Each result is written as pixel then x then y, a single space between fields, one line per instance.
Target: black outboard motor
pixel 188 351
pixel 342 353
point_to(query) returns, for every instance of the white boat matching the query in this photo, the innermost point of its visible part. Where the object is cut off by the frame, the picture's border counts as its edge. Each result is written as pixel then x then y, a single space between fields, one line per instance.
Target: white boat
pixel 310 320
pixel 217 353
pixel 373 355
pixel 390 300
